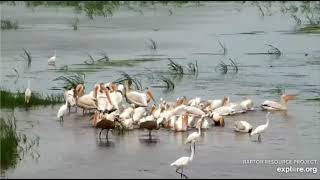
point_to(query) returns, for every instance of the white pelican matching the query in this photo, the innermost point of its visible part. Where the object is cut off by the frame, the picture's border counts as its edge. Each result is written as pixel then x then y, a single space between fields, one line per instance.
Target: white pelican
pixel 128 123
pixel 62 111
pixel 104 102
pixel 88 101
pixel 225 110
pixel 127 113
pixel 138 113
pixel 116 95
pixel 247 104
pixel 260 129
pixel 242 126
pixel 181 124
pixel 137 98
pixel 52 60
pixel 194 110
pixel 183 161
pixel 194 102
pixel 272 105
pixel 218 120
pixel 214 104
pixel 27 93
pixel 79 91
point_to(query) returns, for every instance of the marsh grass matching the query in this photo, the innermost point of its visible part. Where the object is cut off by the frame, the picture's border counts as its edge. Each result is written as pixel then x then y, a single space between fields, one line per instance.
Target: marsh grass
pixel 15 145
pixel 9 143
pixel 309 29
pixel 13 100
pixel 8 24
pixel 70 81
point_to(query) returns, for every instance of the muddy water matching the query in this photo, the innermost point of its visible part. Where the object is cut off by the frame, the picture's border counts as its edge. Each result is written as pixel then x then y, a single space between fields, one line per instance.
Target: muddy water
pixel 72 150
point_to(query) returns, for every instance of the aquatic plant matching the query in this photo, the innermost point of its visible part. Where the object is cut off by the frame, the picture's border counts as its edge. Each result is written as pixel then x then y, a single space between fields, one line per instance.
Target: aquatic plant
pixel 27 56
pixel 8 24
pixel 153 45
pixel 169 84
pixel 13 100
pixel 224 48
pixel 70 81
pixel 273 50
pixel 15 144
pixel 175 68
pixel 9 143
pixel 224 68
pixel 125 76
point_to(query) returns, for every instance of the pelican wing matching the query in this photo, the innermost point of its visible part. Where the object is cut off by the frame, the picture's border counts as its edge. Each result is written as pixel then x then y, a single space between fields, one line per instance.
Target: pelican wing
pixel 179 110
pixel 137 98
pixel 194 110
pixel 271 104
pixel 239 126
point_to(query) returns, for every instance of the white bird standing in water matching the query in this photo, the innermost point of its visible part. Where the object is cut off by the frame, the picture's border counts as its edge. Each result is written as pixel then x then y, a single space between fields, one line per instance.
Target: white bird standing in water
pixel 195 136
pixel 260 129
pixel 27 94
pixel 183 161
pixel 52 60
pixel 62 111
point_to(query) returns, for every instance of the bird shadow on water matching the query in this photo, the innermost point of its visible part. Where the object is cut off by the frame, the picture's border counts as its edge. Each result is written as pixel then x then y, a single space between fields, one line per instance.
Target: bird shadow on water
pixel 105 143
pixel 145 139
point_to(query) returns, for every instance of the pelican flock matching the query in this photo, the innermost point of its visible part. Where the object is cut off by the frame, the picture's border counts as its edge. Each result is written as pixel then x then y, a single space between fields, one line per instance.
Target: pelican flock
pixel 119 104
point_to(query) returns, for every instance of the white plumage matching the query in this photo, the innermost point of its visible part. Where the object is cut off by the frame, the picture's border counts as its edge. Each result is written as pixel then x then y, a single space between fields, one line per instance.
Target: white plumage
pixel 62 111
pixel 183 161
pixel 260 129
pixel 52 60
pixel 242 126
pixel 27 93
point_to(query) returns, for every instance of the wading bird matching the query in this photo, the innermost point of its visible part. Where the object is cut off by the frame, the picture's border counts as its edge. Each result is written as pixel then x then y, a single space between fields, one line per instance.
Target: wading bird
pixel 260 129
pixel 62 111
pixel 52 60
pixel 195 136
pixel 272 105
pixel 103 122
pixel 27 93
pixel 183 161
pixel 137 98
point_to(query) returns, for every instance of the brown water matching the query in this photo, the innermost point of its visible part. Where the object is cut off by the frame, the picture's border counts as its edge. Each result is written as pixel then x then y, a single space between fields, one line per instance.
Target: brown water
pixel 72 150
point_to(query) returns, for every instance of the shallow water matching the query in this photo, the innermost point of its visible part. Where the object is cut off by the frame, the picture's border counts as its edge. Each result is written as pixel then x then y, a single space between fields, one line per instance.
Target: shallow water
pixel 72 150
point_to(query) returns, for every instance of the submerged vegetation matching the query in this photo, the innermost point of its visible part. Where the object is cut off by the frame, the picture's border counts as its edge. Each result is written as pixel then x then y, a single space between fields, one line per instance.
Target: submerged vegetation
pixel 176 68
pixel 224 68
pixel 12 100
